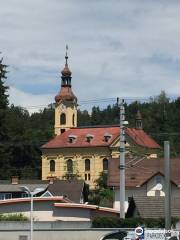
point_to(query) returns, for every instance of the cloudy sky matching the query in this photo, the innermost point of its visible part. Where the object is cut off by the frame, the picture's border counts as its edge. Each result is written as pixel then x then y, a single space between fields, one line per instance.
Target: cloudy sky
pixel 125 48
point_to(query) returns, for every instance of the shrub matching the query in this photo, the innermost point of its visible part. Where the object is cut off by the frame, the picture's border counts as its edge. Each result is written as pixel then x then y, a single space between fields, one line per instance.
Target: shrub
pixel 13 217
pixel 112 222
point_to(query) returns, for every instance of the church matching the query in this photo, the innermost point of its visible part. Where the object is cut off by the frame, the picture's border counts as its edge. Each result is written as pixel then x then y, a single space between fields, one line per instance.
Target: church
pixel 85 152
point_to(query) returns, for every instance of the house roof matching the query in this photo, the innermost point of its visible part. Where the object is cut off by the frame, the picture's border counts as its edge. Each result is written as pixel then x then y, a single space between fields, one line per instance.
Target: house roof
pixel 140 171
pixel 70 189
pixel 7 186
pixel 139 137
pixel 153 207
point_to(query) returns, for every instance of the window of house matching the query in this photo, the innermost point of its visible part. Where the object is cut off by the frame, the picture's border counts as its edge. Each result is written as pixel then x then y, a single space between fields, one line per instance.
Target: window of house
pixel 4 196
pixel 87 165
pixel 63 118
pixel 105 164
pixel 70 165
pixel 24 195
pixel 158 179
pixel 89 176
pixel 52 166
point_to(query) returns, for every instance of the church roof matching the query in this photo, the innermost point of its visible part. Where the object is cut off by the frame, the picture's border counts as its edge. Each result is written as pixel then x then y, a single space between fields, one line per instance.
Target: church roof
pixel 99 137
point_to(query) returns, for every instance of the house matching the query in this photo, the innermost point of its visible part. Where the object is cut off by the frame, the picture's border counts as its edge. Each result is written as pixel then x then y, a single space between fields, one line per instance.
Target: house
pixel 144 178
pixel 55 209
pixel 74 191
pixel 85 152
pixel 152 207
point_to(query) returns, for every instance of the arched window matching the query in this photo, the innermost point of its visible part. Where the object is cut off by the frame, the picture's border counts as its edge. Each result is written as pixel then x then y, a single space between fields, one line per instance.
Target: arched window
pixel 73 119
pixel 69 165
pixel 105 164
pixel 63 118
pixel 52 166
pixel 87 165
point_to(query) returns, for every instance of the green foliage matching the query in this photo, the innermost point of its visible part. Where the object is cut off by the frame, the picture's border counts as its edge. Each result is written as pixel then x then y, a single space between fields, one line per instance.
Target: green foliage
pixel 112 222
pixel 102 195
pixel 13 217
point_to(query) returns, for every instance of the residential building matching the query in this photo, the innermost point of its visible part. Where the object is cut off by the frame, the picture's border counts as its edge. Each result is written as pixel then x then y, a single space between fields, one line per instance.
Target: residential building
pixel 73 191
pixel 143 178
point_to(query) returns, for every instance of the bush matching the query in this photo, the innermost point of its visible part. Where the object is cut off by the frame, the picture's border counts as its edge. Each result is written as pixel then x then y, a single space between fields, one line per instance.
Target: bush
pixel 112 222
pixel 13 217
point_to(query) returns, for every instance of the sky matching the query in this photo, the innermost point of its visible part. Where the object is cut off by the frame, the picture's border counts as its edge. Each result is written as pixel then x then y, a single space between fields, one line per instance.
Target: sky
pixel 117 48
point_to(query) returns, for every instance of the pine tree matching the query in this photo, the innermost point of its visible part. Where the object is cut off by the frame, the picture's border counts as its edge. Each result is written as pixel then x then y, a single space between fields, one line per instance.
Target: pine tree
pixel 4 139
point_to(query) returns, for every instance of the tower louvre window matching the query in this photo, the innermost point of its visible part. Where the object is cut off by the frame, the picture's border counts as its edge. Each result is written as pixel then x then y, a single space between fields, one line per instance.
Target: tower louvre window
pixel 63 118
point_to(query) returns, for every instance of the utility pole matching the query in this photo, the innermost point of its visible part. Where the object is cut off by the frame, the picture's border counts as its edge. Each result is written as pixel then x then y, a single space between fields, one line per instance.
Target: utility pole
pixel 167 169
pixel 122 159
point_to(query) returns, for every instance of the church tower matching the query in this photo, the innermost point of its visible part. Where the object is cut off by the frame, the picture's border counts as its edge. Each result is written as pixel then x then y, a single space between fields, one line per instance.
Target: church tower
pixel 66 103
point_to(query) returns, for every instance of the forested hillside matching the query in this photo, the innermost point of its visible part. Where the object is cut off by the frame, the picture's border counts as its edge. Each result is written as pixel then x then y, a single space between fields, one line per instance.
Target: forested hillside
pixel 22 134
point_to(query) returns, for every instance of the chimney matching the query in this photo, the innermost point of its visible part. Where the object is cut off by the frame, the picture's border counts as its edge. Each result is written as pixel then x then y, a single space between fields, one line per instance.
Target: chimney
pixel 14 180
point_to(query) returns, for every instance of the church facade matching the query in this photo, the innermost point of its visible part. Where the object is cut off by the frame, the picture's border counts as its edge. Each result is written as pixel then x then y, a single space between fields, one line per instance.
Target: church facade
pixel 85 152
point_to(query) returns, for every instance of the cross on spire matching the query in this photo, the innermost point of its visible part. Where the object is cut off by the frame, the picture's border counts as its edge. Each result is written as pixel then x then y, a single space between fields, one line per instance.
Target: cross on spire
pixel 66 57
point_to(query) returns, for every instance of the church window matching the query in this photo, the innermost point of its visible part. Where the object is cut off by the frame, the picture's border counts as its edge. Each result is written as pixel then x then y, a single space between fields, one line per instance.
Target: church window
pixel 69 165
pixel 105 164
pixel 87 177
pixel 87 165
pixel 73 119
pixel 52 166
pixel 63 118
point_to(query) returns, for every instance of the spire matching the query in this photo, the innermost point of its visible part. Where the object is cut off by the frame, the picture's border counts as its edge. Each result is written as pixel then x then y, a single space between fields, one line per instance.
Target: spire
pixel 66 57
pixel 139 120
pixel 66 92
pixel 66 71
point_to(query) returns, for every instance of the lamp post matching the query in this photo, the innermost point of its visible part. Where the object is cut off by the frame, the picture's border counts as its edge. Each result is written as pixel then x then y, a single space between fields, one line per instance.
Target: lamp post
pixel 31 194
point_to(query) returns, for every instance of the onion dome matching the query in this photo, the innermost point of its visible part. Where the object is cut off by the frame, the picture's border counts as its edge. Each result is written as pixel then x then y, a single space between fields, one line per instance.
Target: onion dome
pixel 65 93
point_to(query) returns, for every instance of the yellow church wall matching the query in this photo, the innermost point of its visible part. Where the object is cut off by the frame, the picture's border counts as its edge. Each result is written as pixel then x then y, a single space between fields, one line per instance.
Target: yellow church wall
pixel 69 109
pixel 78 156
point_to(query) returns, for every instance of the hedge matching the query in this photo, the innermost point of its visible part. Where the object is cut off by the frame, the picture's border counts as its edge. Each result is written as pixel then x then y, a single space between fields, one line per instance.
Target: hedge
pixel 110 222
pixel 13 217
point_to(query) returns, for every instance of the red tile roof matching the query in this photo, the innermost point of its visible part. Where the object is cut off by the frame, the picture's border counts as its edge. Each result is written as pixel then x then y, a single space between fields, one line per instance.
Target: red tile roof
pixel 140 171
pixel 139 137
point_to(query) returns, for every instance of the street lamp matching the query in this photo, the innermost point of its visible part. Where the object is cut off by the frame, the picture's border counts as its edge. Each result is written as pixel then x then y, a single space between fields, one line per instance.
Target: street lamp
pixel 31 194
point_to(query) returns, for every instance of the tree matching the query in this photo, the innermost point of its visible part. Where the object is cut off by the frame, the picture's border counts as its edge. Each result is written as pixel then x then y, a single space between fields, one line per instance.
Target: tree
pixel 4 137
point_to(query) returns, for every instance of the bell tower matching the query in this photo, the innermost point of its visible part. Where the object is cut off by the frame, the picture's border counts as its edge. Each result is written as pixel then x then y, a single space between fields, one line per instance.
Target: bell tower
pixel 138 120
pixel 66 102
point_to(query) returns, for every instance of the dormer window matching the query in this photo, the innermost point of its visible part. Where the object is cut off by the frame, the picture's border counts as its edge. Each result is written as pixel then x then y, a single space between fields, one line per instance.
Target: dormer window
pixel 72 138
pixel 107 137
pixel 89 137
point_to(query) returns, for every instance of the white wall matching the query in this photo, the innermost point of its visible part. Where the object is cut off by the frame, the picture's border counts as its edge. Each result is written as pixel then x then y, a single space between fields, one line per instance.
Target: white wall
pixel 45 211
